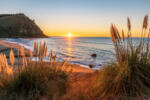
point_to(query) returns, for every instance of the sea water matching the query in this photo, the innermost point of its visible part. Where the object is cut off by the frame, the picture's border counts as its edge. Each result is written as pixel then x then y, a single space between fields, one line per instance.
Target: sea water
pixel 78 49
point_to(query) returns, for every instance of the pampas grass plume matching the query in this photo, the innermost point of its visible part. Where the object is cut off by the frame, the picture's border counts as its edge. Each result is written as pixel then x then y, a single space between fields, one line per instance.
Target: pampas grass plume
pixel 45 54
pixel 51 56
pixel 112 33
pixel 31 55
pixel 123 36
pixel 145 22
pixel 129 24
pixel 12 58
pixel 115 34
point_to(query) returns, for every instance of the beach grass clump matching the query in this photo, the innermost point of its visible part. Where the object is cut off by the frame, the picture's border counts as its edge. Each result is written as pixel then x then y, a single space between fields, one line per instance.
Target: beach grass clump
pixel 32 80
pixel 127 78
pixel 35 82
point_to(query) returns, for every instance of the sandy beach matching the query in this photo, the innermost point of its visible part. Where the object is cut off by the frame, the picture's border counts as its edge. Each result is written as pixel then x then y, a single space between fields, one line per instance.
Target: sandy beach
pixel 4 45
pixel 75 68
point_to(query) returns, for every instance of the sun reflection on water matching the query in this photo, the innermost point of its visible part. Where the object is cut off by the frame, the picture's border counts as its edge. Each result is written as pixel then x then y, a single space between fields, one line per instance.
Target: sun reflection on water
pixel 69 47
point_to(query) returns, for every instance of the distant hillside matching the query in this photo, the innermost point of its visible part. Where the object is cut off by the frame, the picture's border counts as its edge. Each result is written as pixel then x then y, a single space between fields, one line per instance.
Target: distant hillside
pixel 18 26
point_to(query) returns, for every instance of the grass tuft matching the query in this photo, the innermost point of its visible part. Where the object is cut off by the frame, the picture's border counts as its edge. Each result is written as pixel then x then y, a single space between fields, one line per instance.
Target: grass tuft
pixel 34 82
pixel 127 78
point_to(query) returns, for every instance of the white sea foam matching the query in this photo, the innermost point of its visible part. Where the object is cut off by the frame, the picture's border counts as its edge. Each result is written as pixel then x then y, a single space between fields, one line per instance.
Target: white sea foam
pixel 78 49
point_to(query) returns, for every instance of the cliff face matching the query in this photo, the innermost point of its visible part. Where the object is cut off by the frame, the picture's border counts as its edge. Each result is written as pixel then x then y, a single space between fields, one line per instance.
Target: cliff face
pixel 19 26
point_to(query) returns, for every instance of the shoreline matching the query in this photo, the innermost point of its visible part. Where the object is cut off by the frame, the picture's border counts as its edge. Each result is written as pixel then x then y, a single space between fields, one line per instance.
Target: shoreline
pixel 76 67
pixel 4 44
pixel 8 44
pixel 82 59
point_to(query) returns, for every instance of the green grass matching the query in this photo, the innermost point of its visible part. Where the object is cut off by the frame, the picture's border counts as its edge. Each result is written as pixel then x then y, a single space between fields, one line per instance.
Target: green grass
pixel 34 82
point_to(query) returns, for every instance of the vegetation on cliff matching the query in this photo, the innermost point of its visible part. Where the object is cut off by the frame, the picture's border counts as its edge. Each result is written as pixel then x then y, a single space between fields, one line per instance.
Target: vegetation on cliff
pixel 19 26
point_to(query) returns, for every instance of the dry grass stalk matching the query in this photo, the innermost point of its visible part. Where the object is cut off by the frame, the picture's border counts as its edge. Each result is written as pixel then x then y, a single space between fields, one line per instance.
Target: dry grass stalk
pixel 43 50
pixel 45 55
pixel 145 22
pixel 133 61
pixel 4 61
pixel 4 67
pixel 18 56
pixel 12 58
pixel 40 49
pixel 129 24
pixel 39 53
pixel 123 36
pixel 64 63
pixel 24 61
pixel 51 56
pixel 54 58
pixel 1 62
pixel 34 45
pixel 63 67
pixel 36 48
pixel 9 71
pixel 115 34
pixel 31 55
pixel 112 33
pixel 44 46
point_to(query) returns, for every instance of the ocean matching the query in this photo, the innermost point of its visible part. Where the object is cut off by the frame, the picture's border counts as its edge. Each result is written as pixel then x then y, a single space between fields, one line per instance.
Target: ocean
pixel 78 49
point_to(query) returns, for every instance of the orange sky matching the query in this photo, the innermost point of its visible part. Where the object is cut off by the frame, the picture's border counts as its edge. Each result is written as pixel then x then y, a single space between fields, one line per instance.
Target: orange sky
pixel 89 32
pixel 80 17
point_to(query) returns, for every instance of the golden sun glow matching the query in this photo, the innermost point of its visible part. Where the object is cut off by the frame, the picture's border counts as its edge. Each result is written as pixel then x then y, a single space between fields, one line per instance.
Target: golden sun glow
pixel 69 35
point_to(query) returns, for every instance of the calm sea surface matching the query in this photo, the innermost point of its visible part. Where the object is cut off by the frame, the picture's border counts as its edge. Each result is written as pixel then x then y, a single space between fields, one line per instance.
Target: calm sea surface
pixel 78 49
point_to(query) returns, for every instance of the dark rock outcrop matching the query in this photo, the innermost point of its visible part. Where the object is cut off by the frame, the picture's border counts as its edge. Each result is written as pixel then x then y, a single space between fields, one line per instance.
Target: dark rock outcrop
pixel 91 65
pixel 19 26
pixel 94 55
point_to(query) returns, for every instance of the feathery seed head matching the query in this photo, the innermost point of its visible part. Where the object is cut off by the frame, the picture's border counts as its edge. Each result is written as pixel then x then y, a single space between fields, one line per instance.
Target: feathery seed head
pixel 12 58
pixel 123 36
pixel 45 51
pixel 115 34
pixel 51 56
pixel 145 22
pixel 112 33
pixel 31 55
pixel 129 24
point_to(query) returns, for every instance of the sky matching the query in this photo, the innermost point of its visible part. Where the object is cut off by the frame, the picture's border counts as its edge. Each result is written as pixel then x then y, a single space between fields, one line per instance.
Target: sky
pixel 80 17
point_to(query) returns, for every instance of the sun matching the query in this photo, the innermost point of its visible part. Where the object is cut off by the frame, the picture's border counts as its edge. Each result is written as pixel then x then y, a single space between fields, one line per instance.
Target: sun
pixel 69 34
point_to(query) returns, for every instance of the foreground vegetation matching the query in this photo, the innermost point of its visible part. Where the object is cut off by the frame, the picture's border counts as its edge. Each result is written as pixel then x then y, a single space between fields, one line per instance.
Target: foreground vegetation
pixel 32 80
pixel 126 78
